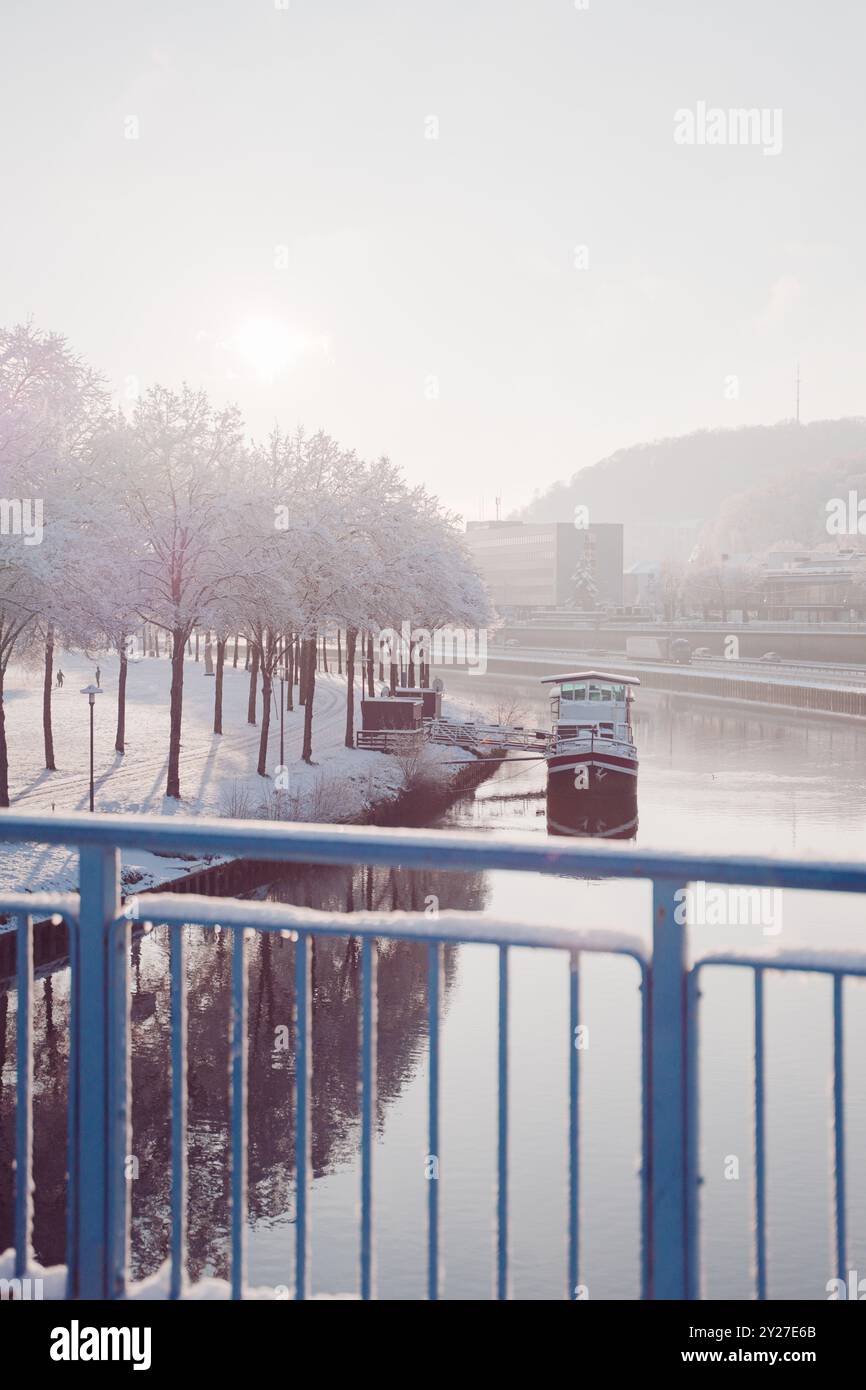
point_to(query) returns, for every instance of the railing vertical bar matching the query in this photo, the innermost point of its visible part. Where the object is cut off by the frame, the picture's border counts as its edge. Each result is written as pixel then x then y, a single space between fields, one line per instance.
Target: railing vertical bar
pixel 238 1073
pixel 434 987
pixel 502 1181
pixel 302 1108
pixel 760 1145
pixel 668 1237
pixel 646 1134
pixel 72 1116
pixel 573 1125
pixel 368 1109
pixel 99 876
pixel 119 1092
pixel 693 1173
pixel 839 1127
pixel 24 1097
pixel 178 1110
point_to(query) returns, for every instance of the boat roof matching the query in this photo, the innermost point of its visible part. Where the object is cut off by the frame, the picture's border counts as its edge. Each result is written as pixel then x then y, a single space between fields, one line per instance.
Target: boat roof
pixel 590 676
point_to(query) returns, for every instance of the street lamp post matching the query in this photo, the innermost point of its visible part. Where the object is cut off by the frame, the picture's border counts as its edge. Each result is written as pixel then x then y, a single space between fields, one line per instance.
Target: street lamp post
pixel 91 691
pixel 283 677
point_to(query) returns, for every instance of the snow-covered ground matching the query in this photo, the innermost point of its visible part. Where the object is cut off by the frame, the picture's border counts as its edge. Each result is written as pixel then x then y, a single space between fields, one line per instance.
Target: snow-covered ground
pixel 217 772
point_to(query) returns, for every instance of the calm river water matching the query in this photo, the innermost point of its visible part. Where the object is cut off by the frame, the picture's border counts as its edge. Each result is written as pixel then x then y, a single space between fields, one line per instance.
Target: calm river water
pixel 712 777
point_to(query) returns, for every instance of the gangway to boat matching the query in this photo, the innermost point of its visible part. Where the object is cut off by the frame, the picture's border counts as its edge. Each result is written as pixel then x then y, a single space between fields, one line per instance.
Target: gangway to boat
pixel 483 738
pixel 479 738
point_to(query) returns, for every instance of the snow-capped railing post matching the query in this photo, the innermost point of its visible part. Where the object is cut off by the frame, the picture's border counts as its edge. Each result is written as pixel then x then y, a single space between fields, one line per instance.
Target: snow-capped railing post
pixel 667 1097
pixel 99 1058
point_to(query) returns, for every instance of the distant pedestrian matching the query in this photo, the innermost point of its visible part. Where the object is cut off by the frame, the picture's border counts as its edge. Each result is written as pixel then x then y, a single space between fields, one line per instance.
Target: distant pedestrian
pixel 59 679
pixel 98 675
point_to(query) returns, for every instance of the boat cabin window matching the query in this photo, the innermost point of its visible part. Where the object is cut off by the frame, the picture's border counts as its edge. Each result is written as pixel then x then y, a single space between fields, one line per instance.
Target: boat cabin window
pixel 594 692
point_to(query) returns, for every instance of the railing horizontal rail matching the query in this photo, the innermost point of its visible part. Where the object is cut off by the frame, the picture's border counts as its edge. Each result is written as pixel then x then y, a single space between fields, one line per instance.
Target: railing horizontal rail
pixel 40 904
pixel 448 925
pixel 802 962
pixel 419 849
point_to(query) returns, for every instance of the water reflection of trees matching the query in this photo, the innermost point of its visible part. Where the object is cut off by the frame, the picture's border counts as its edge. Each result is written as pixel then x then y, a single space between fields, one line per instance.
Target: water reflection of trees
pixel 335 1101
pixel 49 1089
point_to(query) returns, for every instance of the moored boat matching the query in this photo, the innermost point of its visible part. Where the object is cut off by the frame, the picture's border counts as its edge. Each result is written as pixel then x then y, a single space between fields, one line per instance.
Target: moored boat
pixel 592 748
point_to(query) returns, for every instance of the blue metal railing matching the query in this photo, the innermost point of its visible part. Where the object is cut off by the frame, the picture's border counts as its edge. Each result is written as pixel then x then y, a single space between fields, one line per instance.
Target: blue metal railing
pixel 99 1078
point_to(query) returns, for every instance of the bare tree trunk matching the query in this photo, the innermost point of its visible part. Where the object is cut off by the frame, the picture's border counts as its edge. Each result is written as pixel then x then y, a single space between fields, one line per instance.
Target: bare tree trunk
pixel 371 687
pixel 196 644
pixel 351 638
pixel 290 671
pixel 218 688
pixel 262 768
pixel 339 655
pixel 410 671
pixel 47 678
pixel 307 751
pixel 254 680
pixel 4 751
pixel 247 646
pixel 392 676
pixel 120 732
pixel 172 785
pixel 325 654
pixel 235 657
pixel 189 645
pixel 381 662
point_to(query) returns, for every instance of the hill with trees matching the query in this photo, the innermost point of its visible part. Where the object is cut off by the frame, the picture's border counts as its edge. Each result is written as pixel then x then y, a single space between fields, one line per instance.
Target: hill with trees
pixel 740 488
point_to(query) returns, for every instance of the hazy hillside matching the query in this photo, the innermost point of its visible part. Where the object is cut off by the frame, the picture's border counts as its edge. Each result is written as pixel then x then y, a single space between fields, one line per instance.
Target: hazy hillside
pixel 689 478
pixel 790 507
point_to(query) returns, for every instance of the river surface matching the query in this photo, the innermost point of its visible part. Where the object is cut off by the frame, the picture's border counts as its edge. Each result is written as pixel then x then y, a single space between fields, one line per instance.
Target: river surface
pixel 712 778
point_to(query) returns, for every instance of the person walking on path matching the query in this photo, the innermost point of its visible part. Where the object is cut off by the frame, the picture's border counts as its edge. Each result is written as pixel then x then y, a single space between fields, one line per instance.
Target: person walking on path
pixel 59 679
pixel 98 674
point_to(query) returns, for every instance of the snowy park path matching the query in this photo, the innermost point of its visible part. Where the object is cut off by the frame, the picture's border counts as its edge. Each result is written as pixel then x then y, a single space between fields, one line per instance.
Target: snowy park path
pixel 135 780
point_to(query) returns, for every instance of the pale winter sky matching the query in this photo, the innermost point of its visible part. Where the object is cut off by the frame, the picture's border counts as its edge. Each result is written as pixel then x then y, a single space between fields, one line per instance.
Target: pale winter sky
pixel 283 232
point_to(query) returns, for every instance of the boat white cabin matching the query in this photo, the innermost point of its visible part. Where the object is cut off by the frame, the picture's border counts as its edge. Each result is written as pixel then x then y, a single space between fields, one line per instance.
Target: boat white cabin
pixel 592 700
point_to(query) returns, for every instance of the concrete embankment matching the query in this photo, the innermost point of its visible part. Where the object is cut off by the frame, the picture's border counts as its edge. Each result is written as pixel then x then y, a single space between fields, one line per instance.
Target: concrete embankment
pixel 780 691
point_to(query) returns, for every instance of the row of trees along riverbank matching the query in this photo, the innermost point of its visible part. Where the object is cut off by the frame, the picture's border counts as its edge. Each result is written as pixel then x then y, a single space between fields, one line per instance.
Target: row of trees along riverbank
pixel 169 516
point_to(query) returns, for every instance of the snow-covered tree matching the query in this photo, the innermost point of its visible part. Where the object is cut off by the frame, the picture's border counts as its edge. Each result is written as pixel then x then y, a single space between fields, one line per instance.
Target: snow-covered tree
pixel 584 589
pixel 181 460
pixel 51 406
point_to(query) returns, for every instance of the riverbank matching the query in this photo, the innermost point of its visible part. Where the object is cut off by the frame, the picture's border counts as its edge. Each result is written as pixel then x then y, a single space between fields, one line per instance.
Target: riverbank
pixel 773 689
pixel 218 772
